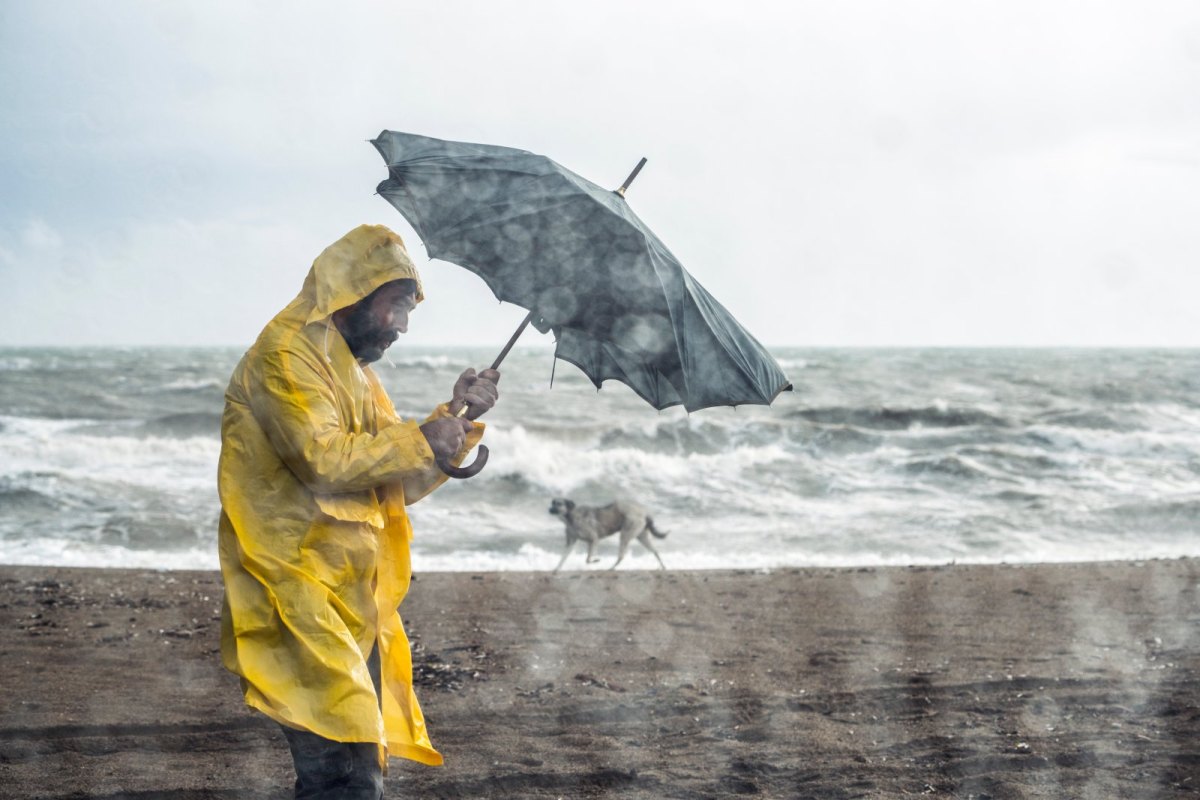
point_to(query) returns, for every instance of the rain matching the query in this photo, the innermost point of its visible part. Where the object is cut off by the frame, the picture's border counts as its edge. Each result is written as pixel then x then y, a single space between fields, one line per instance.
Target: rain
pixel 891 335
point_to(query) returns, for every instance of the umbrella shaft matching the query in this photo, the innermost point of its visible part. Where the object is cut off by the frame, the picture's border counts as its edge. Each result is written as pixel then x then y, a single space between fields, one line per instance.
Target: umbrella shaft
pixel 513 340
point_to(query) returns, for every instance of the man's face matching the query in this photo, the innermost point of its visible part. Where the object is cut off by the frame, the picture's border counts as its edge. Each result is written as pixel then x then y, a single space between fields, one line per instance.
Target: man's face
pixel 373 323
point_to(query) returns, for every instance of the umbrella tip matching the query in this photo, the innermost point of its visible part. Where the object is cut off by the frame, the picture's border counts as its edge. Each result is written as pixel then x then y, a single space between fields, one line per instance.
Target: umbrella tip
pixel 621 192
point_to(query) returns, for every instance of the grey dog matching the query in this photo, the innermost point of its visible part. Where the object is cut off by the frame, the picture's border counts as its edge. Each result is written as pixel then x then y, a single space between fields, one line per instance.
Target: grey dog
pixel 593 523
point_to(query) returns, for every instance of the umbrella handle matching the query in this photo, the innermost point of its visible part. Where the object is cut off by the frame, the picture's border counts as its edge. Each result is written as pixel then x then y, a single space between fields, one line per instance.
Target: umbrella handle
pixel 469 471
pixel 472 469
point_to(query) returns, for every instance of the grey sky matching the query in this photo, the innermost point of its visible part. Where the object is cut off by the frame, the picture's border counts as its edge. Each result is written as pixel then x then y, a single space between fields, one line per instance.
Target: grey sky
pixel 835 173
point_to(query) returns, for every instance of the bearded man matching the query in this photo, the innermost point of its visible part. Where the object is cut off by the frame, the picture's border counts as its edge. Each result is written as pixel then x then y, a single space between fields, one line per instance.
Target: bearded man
pixel 315 472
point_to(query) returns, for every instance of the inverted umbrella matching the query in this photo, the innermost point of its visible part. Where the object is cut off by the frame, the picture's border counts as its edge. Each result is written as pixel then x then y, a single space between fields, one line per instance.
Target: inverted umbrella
pixel 621 306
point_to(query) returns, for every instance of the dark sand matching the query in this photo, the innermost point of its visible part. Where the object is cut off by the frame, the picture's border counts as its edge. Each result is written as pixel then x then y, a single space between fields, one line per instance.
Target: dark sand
pixel 1059 681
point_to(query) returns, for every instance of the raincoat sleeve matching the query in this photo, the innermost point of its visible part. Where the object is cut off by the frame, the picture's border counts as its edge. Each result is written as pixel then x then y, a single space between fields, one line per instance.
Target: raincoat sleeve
pixel 418 484
pixel 298 411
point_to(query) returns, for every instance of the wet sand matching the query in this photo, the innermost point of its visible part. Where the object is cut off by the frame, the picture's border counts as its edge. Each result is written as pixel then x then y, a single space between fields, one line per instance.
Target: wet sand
pixel 1047 681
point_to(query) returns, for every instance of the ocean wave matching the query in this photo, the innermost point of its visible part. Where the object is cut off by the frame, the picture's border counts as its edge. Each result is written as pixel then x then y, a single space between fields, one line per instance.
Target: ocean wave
pixel 1137 444
pixel 16 363
pixel 63 552
pixel 557 467
pixel 1020 497
pixel 840 440
pixel 679 437
pixel 159 531
pixel 424 362
pixel 795 363
pixel 192 384
pixel 1113 392
pixel 1173 515
pixel 953 466
pixel 1088 419
pixel 184 465
pixel 23 499
pixel 39 427
pixel 1021 461
pixel 891 419
pixel 185 425
pixel 1173 417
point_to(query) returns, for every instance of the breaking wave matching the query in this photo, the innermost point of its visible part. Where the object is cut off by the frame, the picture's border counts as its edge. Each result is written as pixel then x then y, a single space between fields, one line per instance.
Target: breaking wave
pixel 891 419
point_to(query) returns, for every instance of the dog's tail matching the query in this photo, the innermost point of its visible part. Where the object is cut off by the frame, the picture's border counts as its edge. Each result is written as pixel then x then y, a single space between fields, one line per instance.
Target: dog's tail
pixel 650 527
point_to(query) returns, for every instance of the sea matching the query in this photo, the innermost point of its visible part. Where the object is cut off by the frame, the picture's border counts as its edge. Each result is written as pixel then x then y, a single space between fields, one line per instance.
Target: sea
pixel 108 458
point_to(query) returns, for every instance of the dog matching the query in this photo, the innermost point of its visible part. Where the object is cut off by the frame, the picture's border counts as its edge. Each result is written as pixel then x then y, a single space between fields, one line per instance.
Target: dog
pixel 593 523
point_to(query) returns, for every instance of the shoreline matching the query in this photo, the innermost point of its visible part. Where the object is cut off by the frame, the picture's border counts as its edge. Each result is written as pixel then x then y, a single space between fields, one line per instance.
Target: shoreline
pixel 628 566
pixel 1065 679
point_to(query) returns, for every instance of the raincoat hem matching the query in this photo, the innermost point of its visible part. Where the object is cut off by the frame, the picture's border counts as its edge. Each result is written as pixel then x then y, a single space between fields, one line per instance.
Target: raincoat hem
pixel 422 755
pixel 411 752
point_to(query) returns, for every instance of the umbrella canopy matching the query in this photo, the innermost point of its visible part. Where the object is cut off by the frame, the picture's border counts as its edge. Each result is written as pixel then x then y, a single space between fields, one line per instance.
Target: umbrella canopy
pixel 620 304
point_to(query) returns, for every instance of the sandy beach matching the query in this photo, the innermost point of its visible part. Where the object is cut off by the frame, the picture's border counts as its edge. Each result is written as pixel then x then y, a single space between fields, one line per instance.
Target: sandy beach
pixel 1048 681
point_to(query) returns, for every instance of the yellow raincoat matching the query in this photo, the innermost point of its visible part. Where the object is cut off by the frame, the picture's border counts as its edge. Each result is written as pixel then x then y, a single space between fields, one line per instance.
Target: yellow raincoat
pixel 315 471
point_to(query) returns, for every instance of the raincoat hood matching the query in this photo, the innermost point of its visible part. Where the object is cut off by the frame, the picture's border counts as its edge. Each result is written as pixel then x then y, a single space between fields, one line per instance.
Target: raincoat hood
pixel 354 266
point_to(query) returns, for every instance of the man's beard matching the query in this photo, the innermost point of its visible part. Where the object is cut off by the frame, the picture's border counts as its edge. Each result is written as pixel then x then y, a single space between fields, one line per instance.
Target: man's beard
pixel 365 338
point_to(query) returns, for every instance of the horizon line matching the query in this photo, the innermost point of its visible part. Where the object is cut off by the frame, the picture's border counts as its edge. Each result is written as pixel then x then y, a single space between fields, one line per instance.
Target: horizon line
pixel 551 346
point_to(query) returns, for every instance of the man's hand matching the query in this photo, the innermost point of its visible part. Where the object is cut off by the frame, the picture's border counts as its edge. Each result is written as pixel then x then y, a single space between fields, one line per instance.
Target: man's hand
pixel 478 392
pixel 446 435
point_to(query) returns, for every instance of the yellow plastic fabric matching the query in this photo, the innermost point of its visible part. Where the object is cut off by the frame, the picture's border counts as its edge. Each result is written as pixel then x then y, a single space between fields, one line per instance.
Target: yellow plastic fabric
pixel 315 472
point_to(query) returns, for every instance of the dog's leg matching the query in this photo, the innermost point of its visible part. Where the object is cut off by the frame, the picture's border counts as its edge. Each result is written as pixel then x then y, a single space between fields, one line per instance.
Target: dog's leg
pixel 644 538
pixel 591 559
pixel 624 549
pixel 628 530
pixel 567 552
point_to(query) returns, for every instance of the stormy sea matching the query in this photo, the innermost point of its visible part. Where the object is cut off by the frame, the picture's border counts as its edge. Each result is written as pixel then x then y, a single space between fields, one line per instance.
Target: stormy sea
pixel 879 456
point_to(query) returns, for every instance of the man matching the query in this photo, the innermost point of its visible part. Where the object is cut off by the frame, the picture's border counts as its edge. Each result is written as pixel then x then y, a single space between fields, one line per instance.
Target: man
pixel 315 472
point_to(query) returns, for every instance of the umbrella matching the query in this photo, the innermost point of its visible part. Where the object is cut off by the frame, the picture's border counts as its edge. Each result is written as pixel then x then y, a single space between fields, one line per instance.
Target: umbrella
pixel 621 306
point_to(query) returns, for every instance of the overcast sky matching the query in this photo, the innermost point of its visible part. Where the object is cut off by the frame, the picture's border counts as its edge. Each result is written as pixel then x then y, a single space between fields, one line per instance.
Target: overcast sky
pixel 918 173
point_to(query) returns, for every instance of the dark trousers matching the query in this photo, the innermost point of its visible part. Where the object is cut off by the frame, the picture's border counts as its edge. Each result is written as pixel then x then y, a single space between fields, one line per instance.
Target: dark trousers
pixel 329 770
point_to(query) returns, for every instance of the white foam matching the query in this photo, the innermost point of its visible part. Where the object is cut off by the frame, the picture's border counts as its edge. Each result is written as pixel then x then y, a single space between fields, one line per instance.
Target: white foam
pixel 171 465
pixel 63 552
pixel 1184 443
pixel 561 465
pixel 793 363
pixel 185 384
pixel 428 362
pixel 15 363
pixel 535 559
pixel 57 552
